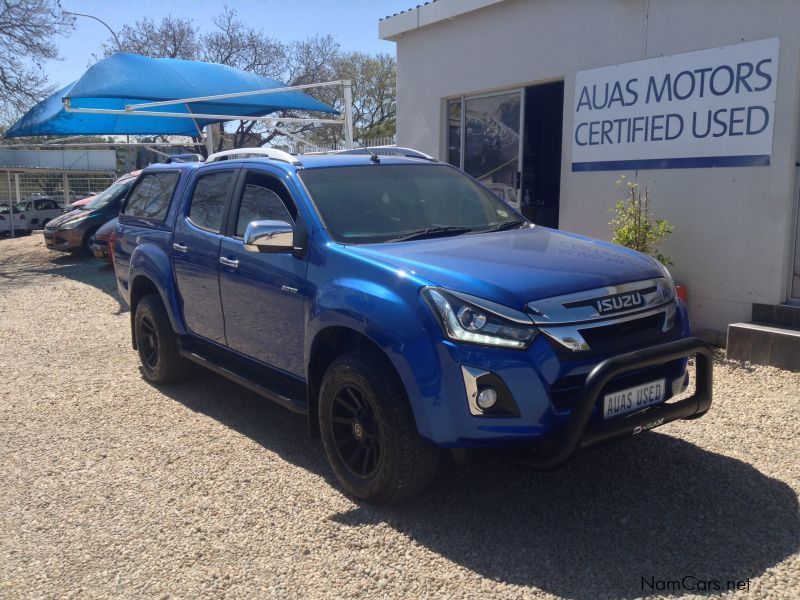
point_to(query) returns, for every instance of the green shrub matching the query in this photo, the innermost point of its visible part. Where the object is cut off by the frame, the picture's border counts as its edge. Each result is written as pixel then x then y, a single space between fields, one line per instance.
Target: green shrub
pixel 633 224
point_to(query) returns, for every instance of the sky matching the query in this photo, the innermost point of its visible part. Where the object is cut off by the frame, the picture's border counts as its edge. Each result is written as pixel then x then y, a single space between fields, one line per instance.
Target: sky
pixel 354 24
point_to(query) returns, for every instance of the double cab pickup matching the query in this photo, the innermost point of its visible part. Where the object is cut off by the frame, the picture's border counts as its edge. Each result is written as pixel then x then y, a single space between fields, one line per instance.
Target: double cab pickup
pixel 403 308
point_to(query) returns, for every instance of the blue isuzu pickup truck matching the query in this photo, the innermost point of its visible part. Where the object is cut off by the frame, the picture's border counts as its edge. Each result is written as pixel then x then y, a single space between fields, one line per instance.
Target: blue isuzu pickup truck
pixel 403 307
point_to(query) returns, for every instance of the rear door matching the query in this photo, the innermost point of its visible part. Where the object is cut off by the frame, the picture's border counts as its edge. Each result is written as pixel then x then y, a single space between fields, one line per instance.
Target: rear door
pixel 195 251
pixel 263 294
pixel 46 209
pixel 142 219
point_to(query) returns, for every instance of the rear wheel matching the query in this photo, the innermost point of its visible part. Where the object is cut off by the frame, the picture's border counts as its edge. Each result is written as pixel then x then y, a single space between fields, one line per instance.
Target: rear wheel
pixel 369 433
pixel 157 343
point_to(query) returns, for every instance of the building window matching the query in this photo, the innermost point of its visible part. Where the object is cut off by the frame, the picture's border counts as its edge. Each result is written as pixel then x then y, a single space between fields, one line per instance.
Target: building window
pixel 454 132
pixel 483 139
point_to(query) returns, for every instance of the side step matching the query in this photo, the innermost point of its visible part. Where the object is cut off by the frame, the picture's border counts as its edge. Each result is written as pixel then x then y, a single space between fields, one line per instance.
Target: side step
pixel 270 387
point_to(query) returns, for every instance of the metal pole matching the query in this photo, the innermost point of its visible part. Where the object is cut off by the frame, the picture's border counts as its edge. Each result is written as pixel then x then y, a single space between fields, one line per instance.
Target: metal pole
pixel 19 199
pixel 133 107
pixel 216 117
pixel 10 203
pixel 66 190
pixel 348 114
pixel 77 14
pixel 210 139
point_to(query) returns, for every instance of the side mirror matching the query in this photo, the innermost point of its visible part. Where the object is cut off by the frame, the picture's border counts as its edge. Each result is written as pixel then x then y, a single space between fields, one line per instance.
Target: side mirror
pixel 269 236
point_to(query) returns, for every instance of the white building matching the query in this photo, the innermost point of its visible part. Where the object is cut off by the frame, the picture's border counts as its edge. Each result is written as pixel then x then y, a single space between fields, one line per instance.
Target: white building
pixel 698 101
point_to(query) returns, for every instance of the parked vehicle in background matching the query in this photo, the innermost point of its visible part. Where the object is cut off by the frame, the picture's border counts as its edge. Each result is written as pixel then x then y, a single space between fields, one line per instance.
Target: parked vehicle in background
pixel 403 308
pixel 74 230
pixel 80 203
pixel 20 221
pixel 39 210
pixel 506 193
pixel 102 240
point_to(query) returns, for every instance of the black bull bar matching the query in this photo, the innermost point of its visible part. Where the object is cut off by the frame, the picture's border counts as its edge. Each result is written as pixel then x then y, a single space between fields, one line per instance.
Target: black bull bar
pixel 577 435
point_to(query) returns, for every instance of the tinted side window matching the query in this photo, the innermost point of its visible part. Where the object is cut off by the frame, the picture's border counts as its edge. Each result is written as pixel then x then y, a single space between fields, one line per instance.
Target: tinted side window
pixel 264 199
pixel 150 198
pixel 208 201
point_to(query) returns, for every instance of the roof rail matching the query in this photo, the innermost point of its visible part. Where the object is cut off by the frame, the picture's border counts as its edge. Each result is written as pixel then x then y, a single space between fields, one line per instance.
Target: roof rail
pixel 388 151
pixel 182 158
pixel 254 153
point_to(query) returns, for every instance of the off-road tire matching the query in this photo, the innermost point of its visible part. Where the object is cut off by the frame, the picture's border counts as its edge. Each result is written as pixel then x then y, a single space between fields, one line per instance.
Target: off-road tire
pixel 406 463
pixel 151 323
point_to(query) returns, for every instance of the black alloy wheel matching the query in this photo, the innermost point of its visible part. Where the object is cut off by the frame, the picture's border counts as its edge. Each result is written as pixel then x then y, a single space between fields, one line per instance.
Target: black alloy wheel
pixel 148 342
pixel 357 436
pixel 369 432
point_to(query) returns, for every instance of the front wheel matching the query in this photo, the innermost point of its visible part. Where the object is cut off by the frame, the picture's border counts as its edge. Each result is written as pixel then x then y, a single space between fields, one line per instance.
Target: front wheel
pixel 157 343
pixel 369 433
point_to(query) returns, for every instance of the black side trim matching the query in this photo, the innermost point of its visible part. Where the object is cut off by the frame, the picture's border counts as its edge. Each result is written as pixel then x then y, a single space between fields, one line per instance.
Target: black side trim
pixel 576 435
pixel 259 382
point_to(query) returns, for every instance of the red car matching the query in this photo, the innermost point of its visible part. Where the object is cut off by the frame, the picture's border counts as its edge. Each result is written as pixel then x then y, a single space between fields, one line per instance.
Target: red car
pixel 102 242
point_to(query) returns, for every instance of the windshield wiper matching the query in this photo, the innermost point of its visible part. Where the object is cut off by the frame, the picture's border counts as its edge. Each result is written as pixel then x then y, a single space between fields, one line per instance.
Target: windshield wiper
pixel 504 226
pixel 431 232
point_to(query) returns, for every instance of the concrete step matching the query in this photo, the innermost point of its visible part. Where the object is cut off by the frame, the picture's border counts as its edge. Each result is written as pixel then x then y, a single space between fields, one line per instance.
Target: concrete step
pixel 780 315
pixel 764 345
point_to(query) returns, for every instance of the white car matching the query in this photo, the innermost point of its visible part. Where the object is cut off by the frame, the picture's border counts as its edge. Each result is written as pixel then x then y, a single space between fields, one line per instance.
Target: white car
pixel 20 221
pixel 506 193
pixel 39 210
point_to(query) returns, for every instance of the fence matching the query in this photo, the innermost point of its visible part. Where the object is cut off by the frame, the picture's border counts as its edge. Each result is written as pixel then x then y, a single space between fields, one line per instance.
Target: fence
pixel 63 186
pixel 299 148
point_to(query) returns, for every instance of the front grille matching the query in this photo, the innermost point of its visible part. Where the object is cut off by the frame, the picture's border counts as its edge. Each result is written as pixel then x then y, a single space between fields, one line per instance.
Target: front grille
pixel 564 392
pixel 618 338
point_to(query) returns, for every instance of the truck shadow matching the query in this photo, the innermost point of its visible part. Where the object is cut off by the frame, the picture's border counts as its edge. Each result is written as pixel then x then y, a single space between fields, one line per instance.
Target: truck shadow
pixel 631 519
pixel 28 270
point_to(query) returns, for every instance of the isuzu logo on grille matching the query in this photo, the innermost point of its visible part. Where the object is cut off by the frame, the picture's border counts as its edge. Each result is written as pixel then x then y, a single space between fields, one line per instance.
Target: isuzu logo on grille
pixel 618 302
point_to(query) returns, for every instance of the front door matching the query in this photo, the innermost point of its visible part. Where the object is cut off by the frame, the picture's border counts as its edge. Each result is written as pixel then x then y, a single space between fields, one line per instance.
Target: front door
pixel 195 253
pixel 263 294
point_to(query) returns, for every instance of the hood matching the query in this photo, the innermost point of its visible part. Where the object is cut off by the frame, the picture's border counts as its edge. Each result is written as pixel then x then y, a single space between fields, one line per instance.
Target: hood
pixel 103 234
pixel 518 266
pixel 73 215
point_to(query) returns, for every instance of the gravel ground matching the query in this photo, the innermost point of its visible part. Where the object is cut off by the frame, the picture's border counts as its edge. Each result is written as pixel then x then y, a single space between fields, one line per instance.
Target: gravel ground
pixel 111 487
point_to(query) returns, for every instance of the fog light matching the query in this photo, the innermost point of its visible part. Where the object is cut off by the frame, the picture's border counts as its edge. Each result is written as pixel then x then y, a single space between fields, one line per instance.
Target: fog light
pixel 487 398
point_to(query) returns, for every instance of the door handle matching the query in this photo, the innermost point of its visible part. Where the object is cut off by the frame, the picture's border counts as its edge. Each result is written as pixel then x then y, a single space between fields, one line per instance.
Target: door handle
pixel 179 247
pixel 233 264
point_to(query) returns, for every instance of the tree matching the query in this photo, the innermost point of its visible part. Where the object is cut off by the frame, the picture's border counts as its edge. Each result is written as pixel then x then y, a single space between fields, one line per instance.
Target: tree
pixel 238 45
pixel 171 38
pixel 27 28
pixel 317 59
pixel 374 86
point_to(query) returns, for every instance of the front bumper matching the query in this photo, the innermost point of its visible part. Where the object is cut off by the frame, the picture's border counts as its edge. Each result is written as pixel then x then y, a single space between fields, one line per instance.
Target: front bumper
pixel 560 445
pixel 99 249
pixel 64 240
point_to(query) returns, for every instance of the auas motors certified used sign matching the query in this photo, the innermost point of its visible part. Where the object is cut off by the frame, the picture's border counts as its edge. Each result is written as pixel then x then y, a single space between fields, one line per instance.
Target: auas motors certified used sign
pixel 710 108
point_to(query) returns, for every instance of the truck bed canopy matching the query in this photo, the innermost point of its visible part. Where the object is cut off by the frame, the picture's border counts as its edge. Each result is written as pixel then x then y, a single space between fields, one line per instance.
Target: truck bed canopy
pixel 136 95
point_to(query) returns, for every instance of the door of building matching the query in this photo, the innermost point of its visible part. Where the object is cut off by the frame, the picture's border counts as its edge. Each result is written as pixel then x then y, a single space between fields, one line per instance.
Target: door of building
pixel 541 154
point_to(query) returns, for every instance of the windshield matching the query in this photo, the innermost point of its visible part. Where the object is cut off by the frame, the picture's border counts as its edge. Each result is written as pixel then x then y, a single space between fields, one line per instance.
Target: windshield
pixel 114 193
pixel 384 203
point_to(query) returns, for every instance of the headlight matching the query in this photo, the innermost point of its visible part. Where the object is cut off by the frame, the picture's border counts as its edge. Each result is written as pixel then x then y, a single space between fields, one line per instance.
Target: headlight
pixel 671 293
pixel 73 224
pixel 468 319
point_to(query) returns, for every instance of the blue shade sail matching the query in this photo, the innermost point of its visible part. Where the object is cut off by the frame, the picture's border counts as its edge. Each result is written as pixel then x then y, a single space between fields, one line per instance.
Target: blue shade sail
pixel 124 79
